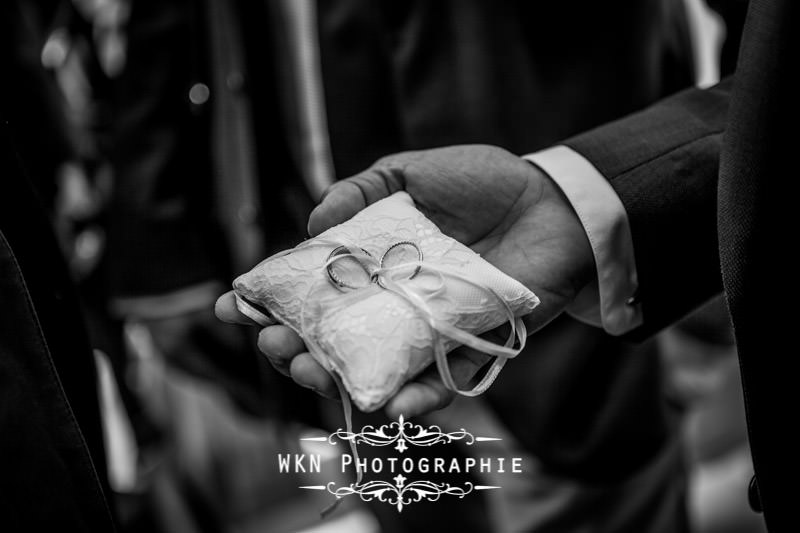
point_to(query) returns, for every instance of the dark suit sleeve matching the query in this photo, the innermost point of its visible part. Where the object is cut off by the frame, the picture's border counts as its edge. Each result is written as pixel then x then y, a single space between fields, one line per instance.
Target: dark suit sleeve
pixel 663 164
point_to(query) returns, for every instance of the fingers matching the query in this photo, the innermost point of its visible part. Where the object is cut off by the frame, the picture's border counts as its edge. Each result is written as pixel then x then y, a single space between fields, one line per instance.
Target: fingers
pixel 226 310
pixel 346 198
pixel 287 353
pixel 340 203
pixel 310 374
pixel 284 349
pixel 427 393
pixel 280 344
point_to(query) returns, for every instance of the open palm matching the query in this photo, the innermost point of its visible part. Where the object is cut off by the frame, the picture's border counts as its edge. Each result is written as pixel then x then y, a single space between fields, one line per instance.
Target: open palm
pixel 501 206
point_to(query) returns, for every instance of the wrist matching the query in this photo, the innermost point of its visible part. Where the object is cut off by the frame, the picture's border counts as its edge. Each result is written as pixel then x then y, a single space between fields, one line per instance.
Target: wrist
pixel 609 297
pixel 581 267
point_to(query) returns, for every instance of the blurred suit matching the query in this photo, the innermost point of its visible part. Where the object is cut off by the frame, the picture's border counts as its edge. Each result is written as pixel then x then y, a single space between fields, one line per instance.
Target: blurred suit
pixel 52 463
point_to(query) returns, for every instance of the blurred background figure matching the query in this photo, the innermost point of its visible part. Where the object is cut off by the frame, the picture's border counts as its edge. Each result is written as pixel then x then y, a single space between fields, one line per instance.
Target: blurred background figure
pixel 703 378
pixel 191 138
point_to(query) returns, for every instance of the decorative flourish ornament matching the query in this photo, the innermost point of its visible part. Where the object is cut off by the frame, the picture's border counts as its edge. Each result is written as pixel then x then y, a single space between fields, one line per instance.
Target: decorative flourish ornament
pixel 399 494
pixel 403 433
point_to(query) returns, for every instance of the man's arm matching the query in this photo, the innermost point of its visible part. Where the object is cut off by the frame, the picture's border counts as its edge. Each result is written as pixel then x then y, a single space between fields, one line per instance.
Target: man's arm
pixel 609 300
pixel 502 207
pixel 662 163
pixel 692 121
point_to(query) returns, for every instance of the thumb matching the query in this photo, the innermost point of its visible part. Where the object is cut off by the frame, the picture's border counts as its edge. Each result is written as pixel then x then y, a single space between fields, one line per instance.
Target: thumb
pixel 344 199
pixel 341 201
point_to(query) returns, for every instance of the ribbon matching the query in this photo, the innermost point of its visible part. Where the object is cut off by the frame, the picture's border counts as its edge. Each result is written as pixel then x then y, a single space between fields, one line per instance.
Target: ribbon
pixel 391 278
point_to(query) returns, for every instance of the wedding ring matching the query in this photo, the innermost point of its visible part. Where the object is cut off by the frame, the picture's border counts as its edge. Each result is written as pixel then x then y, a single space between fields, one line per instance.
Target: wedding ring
pixel 404 243
pixel 337 279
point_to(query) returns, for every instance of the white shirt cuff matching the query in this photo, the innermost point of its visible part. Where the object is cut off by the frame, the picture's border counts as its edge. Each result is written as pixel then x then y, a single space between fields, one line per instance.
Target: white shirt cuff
pixel 610 301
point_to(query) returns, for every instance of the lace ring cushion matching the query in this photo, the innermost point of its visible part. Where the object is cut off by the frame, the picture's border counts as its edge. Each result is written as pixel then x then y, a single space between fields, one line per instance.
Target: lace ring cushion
pixel 364 294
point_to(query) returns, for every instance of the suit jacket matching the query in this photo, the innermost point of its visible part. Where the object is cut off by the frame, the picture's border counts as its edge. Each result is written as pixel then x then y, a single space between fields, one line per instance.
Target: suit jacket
pixel 707 180
pixel 52 465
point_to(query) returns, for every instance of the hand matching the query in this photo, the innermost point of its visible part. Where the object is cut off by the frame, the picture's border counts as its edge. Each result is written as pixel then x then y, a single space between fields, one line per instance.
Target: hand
pixel 504 208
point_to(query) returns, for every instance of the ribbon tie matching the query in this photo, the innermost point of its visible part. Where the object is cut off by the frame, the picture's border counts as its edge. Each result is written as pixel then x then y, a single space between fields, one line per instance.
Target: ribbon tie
pixel 393 278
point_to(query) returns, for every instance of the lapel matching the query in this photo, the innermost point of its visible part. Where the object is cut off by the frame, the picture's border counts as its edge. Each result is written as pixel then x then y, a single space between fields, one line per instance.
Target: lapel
pixel 50 435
